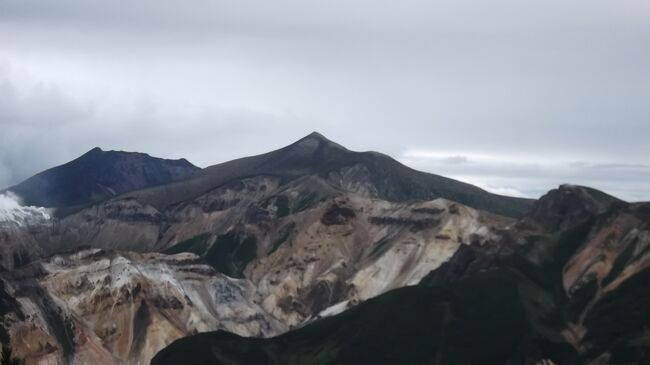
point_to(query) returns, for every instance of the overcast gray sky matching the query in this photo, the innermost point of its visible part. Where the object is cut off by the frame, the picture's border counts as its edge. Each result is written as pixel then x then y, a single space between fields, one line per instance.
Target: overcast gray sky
pixel 514 96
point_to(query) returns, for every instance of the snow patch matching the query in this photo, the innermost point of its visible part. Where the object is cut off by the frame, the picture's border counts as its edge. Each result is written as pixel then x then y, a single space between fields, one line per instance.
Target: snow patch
pixel 12 211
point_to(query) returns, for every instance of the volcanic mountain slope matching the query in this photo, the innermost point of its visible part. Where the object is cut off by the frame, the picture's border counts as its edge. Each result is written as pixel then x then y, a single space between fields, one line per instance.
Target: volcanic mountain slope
pixel 309 246
pixel 597 296
pixel 575 295
pixel 306 241
pixel 297 249
pixel 372 173
pixel 98 175
pixel 302 233
pixel 104 307
pixel 305 244
pixel 136 221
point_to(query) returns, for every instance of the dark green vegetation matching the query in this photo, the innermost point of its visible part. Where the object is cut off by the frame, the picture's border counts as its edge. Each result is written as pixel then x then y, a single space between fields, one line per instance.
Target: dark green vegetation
pixel 281 204
pixel 197 245
pixel 336 214
pixel 231 252
pixel 415 224
pixel 98 175
pixel 315 155
pixel 7 358
pixel 283 235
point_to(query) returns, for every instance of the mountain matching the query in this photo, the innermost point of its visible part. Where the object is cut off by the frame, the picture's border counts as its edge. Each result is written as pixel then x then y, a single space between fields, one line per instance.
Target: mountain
pixel 314 233
pixel 562 207
pixel 306 243
pixel 302 239
pixel 314 155
pixel 573 295
pixel 98 175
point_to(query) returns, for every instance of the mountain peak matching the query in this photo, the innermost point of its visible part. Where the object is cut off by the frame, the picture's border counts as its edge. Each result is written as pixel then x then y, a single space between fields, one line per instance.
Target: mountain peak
pixel 569 204
pixel 315 141
pixel 316 135
pixel 94 150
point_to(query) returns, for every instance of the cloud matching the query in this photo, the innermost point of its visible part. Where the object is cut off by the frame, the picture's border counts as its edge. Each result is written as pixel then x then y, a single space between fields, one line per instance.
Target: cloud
pixel 36 119
pixel 455 160
pixel 11 211
pixel 43 126
pixel 531 176
pixel 535 86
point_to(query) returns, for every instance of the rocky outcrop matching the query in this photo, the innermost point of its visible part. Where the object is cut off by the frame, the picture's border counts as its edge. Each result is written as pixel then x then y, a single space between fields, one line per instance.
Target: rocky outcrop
pixel 103 307
pixel 568 205
pixel 545 294
pixel 305 245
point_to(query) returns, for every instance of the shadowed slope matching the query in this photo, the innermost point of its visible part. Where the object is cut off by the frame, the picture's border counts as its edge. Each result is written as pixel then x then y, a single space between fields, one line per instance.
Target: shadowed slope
pixel 98 175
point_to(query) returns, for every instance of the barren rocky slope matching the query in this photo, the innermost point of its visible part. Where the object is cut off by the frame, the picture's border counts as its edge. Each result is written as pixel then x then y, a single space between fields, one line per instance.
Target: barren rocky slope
pixel 571 288
pixel 297 254
pixel 299 243
pixel 104 307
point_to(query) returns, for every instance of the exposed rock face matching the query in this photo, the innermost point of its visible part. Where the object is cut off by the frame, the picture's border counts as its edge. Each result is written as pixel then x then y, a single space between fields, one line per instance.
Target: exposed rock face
pixel 585 256
pixel 567 205
pixel 607 276
pixel 305 245
pixel 568 293
pixel 114 308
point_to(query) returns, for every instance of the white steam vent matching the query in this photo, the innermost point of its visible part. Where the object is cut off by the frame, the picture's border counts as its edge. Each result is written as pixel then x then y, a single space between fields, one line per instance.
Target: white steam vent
pixel 11 211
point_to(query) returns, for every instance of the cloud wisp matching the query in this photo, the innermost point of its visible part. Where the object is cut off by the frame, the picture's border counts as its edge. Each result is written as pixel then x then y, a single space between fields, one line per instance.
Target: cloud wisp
pixel 13 212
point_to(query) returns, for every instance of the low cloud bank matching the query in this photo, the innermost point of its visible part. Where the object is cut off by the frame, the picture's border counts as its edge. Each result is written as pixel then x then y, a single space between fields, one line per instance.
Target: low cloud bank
pixel 532 176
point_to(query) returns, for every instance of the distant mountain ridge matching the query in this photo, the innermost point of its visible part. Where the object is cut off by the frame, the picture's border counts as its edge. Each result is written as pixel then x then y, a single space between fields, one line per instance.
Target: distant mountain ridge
pixel 318 156
pixel 98 175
